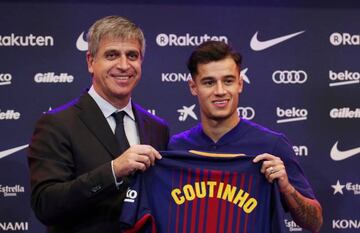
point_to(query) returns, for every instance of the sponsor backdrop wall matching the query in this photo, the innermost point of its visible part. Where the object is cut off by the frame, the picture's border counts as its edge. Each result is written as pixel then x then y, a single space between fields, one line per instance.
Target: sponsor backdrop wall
pixel 304 83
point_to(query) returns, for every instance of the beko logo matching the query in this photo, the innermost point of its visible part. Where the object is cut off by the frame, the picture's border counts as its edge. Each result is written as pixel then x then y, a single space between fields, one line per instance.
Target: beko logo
pixel 14 226
pixel 345 224
pixel 343 78
pixel 30 40
pixel 186 40
pixel 9 114
pixel 291 114
pixel 5 79
pixel 344 38
pixel 344 113
pixel 246 112
pixel 175 77
pixel 50 77
pixel 289 77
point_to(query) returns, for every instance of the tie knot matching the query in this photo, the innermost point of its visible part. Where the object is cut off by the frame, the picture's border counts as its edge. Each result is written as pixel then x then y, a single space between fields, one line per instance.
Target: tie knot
pixel 119 116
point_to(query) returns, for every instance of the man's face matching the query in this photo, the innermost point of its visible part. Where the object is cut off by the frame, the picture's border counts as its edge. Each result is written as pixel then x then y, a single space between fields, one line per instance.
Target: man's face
pixel 217 86
pixel 116 69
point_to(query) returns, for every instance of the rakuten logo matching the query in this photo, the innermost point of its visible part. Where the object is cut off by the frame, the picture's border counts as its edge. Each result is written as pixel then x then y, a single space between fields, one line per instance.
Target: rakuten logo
pixel 301 150
pixel 9 115
pixel 291 114
pixel 246 112
pixel 186 40
pixel 343 78
pixel 344 113
pixel 345 224
pixel 14 226
pixel 50 77
pixel 24 41
pixel 337 39
pixel 175 77
pixel 5 79
pixel 289 77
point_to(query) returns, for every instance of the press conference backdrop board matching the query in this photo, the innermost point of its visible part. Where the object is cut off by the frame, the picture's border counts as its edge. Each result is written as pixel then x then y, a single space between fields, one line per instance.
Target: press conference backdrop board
pixel 305 84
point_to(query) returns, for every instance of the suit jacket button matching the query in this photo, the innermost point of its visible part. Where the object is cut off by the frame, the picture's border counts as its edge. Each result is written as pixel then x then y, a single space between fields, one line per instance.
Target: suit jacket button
pixel 96 188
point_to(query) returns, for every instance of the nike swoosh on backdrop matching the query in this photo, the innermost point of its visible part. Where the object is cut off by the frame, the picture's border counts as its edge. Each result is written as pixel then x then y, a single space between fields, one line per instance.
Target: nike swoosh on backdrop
pixel 8 152
pixel 81 44
pixel 257 45
pixel 337 155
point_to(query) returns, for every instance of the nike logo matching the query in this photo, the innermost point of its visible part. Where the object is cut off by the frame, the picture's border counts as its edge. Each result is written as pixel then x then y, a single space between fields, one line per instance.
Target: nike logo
pixel 257 45
pixel 8 152
pixel 337 155
pixel 81 44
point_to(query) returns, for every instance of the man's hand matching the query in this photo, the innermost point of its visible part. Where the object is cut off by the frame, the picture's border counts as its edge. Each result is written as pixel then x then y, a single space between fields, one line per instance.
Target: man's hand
pixel 137 157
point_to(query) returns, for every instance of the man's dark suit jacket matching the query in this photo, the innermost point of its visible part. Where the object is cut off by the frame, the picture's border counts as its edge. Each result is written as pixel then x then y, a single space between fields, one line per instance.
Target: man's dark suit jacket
pixel 73 187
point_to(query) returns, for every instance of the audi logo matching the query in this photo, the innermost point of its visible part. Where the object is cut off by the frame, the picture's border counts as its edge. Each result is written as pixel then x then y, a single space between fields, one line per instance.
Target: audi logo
pixel 247 113
pixel 289 76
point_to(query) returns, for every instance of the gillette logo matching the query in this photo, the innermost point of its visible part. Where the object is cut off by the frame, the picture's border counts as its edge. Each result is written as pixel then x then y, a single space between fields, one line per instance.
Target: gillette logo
pixel 336 113
pixel 9 115
pixel 5 79
pixel 50 77
pixel 291 114
pixel 337 39
pixel 186 40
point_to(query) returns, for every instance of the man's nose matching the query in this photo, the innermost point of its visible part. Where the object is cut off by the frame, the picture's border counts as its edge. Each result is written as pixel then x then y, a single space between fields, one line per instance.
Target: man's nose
pixel 122 63
pixel 219 88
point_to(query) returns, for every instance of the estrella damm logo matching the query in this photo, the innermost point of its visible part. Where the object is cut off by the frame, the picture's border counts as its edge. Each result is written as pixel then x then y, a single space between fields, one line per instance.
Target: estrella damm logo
pixel 213 189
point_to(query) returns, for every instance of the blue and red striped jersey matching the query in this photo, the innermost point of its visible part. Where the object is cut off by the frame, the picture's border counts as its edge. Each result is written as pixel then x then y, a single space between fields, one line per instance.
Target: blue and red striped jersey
pixel 199 192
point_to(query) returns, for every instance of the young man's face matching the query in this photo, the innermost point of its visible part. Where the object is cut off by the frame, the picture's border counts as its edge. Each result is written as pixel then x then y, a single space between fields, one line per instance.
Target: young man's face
pixel 218 85
pixel 116 69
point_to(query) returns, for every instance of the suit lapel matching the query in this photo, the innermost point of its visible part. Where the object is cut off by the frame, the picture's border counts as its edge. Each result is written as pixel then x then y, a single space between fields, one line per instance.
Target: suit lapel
pixel 142 124
pixel 94 119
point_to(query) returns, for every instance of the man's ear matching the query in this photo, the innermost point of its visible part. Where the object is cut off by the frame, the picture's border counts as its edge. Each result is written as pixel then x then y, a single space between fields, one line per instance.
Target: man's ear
pixel 193 87
pixel 90 61
pixel 241 84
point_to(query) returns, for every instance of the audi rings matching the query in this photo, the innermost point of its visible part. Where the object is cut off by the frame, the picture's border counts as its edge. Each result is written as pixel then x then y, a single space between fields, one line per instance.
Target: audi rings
pixel 289 76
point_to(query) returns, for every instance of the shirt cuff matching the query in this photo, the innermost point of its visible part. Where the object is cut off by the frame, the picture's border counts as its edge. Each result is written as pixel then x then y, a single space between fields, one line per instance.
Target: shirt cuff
pixel 118 181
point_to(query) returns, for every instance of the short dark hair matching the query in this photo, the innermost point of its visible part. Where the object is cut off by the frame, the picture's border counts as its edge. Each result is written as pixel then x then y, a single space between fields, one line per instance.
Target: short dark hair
pixel 210 51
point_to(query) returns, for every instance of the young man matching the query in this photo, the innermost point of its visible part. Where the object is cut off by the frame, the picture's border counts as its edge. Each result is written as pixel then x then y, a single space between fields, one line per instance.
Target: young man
pixel 216 81
pixel 78 166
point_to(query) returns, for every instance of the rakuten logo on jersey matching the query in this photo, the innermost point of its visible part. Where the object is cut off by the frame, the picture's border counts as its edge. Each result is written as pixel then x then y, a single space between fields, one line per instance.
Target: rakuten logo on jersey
pixel 291 114
pixel 301 150
pixel 289 77
pixel 345 224
pixel 344 38
pixel 9 114
pixel 343 113
pixel 50 77
pixel 14 226
pixel 11 191
pixel 5 79
pixel 24 41
pixel 292 226
pixel 343 78
pixel 186 40
pixel 175 77
pixel 247 113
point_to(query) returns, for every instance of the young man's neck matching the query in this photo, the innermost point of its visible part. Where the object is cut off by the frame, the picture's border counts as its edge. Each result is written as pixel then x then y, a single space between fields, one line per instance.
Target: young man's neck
pixel 215 129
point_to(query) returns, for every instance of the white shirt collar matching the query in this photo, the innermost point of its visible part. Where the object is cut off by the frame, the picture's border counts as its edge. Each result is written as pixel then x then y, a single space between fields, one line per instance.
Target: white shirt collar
pixel 107 108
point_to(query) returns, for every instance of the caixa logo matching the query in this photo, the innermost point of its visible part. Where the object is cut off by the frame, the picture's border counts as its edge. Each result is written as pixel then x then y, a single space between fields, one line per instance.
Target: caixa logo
pixel 186 40
pixel 345 224
pixel 344 38
pixel 130 195
pixel 291 114
pixel 289 77
pixel 5 79
pixel 247 113
pixel 14 226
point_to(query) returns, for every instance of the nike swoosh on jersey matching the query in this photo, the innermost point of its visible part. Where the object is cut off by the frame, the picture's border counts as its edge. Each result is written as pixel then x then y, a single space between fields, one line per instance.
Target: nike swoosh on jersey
pixel 337 155
pixel 81 44
pixel 257 45
pixel 8 152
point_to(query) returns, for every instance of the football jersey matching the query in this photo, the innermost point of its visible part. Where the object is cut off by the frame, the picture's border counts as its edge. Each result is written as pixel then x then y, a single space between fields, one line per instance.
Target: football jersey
pixel 199 192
